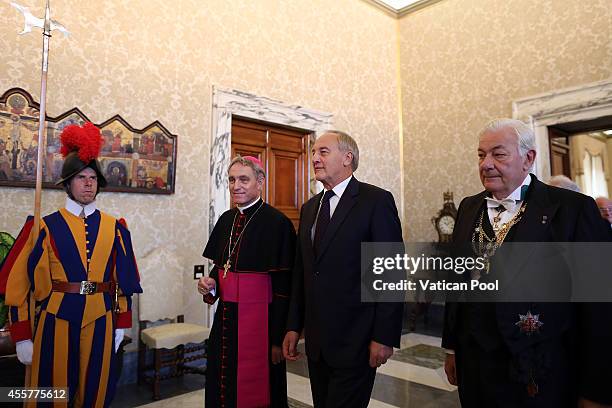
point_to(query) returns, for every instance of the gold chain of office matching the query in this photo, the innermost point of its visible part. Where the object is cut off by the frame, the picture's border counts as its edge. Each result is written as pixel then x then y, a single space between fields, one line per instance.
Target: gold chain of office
pixel 486 246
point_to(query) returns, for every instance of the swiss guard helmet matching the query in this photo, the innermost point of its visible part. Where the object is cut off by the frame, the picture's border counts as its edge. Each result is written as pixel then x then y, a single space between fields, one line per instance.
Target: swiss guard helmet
pixel 80 148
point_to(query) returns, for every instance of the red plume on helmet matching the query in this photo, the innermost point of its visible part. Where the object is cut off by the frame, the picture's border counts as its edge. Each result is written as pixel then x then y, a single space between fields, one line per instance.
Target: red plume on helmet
pixel 80 148
pixel 86 140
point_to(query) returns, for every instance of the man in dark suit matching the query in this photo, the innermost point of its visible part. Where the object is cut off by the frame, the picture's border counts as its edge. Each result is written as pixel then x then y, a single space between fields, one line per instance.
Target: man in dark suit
pixel 526 354
pixel 346 339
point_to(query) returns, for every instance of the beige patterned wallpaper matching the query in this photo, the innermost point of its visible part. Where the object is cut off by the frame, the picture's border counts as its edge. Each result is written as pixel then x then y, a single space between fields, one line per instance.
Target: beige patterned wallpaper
pixel 463 62
pixel 154 59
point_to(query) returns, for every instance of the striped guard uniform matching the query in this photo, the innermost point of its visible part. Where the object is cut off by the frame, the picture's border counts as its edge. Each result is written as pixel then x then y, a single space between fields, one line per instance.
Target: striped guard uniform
pixel 73 334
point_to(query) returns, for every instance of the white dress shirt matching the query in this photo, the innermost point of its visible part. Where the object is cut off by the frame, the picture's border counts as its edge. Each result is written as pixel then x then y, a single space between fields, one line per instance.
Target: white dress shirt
pixel 338 191
pixel 333 202
pixel 508 214
pixel 75 208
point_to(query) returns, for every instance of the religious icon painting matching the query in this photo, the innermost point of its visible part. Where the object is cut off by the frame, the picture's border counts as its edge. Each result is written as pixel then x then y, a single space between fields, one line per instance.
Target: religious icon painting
pixel 132 160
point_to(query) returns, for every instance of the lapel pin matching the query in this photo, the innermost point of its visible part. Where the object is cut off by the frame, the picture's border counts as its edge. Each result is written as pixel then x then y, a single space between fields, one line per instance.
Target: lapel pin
pixel 544 219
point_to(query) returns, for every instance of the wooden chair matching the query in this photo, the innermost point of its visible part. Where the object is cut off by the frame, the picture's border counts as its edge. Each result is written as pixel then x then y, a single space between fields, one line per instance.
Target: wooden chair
pixel 173 344
pixel 162 329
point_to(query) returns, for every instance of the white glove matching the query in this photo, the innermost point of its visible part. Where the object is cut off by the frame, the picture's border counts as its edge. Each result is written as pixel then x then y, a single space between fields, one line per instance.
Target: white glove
pixel 24 351
pixel 118 338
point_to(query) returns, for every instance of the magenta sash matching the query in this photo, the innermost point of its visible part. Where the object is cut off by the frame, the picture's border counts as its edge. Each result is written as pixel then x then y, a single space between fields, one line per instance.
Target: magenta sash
pixel 253 293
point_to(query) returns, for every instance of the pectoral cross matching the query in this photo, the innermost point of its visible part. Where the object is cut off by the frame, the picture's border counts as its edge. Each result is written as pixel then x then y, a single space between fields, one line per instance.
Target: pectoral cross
pixel 226 268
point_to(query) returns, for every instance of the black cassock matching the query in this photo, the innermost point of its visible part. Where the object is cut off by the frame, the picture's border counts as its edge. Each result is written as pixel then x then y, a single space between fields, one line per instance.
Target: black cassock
pixel 253 301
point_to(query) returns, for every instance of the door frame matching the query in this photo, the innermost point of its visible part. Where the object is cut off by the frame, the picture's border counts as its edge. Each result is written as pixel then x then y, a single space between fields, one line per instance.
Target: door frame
pixel 584 102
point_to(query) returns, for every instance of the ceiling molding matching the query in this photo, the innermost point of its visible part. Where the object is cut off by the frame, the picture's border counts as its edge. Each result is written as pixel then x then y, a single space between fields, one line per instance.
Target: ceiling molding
pixel 398 13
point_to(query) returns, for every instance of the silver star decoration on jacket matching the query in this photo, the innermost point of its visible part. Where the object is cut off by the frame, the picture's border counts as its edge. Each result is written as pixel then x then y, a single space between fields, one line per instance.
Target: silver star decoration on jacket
pixel 31 21
pixel 529 323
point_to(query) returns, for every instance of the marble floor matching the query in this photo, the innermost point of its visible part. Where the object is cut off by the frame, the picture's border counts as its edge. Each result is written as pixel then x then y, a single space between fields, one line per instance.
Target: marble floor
pixel 413 378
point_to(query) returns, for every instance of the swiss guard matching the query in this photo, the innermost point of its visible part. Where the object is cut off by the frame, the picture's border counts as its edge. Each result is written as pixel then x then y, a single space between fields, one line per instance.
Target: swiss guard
pixel 70 291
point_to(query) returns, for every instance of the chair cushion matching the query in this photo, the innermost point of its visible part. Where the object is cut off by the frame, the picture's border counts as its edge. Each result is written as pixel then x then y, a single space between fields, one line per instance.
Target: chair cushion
pixel 173 334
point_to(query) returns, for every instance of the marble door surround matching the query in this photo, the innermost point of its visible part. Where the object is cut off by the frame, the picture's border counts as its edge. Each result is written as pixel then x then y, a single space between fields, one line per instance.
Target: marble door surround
pixel 230 102
pixel 584 102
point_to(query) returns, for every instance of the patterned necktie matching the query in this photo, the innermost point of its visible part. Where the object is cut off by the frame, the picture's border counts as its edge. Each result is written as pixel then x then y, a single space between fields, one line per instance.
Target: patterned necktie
pixel 322 219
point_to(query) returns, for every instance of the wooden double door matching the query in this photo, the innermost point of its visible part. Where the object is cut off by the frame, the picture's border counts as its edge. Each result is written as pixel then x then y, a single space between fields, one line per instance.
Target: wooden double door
pixel 559 152
pixel 284 154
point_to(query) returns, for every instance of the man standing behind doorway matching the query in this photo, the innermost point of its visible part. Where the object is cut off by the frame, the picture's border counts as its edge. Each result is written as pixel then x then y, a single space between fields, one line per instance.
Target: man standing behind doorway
pixel 252 247
pixel 346 340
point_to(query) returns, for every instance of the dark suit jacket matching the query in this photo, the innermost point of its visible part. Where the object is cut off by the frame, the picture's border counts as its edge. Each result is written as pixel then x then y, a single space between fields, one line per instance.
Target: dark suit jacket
pixel 326 294
pixel 570 217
